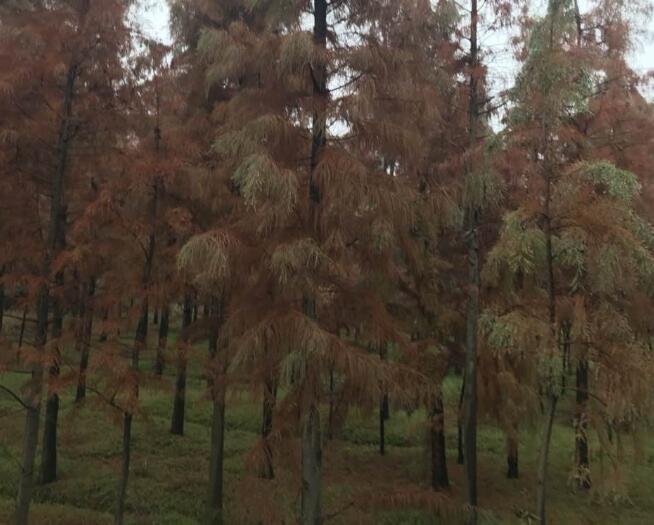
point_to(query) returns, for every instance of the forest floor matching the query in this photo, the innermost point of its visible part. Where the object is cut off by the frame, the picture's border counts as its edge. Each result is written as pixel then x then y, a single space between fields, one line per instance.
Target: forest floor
pixel 169 473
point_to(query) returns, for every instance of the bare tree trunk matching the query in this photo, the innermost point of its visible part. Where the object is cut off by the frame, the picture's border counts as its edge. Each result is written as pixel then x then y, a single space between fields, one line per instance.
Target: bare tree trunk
pixel 383 411
pixel 163 341
pixel 140 341
pixel 459 424
pixel 311 468
pixel 269 401
pixel 544 458
pixel 472 310
pixel 311 510
pixel 217 386
pixel 85 340
pixel 32 417
pixel 2 305
pixel 439 475
pixel 23 322
pixel 55 229
pixel 581 425
pixel 49 448
pixel 177 422
pixel 332 407
pixel 155 317
pixel 512 458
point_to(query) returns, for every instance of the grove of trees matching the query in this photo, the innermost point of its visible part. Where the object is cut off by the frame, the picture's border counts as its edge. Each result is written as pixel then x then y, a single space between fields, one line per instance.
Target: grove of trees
pixel 325 205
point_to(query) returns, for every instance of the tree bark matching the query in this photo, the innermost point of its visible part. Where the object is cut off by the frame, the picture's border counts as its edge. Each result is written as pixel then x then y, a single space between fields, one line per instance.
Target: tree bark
pixel 311 468
pixel 439 475
pixel 217 386
pixel 311 510
pixel 269 401
pixel 544 459
pixel 179 405
pixel 512 458
pixel 23 322
pixel 581 426
pixel 140 341
pixel 472 310
pixel 383 411
pixel 85 340
pixel 2 305
pixel 459 433
pixel 163 341
pixel 33 399
pixel 49 447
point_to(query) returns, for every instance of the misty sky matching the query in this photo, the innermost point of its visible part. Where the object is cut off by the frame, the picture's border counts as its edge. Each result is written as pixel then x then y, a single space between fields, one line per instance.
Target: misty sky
pixel 153 16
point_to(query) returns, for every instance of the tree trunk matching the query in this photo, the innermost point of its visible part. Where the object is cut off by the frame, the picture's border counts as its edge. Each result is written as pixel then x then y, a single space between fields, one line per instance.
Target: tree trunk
pixel 439 476
pixel 2 305
pixel 217 388
pixel 512 458
pixel 177 422
pixel 163 341
pixel 311 468
pixel 140 341
pixel 85 340
pixel 49 448
pixel 472 310
pixel 269 401
pixel 383 410
pixel 581 426
pixel 23 322
pixel 459 424
pixel 155 317
pixel 544 458
pixel 311 511
pixel 55 227
pixel 332 405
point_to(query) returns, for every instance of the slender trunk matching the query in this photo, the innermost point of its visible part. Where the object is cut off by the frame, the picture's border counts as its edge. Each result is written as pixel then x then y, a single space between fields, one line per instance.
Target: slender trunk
pixel 163 341
pixel 439 475
pixel 140 341
pixel 472 310
pixel 512 458
pixel 551 390
pixel 544 458
pixel 23 322
pixel 459 432
pixel 85 340
pixel 311 511
pixel 2 305
pixel 49 448
pixel 217 386
pixel 311 468
pixel 383 410
pixel 177 422
pixel 195 312
pixel 269 401
pixel 581 425
pixel 139 344
pixel 332 405
pixel 55 226
pixel 155 317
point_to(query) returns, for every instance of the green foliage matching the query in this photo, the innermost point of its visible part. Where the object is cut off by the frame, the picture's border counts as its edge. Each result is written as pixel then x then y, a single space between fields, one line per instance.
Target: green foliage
pixel 520 249
pixel 616 183
pixel 260 181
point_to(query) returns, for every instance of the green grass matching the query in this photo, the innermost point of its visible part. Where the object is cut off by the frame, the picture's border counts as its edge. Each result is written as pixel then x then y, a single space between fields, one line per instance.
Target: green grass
pixel 169 473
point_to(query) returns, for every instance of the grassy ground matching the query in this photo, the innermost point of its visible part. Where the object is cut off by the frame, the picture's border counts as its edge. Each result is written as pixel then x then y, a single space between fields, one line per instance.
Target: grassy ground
pixel 169 474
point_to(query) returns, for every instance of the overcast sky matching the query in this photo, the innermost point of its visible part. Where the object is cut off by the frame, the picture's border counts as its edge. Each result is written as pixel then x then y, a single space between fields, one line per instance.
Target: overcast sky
pixel 153 16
